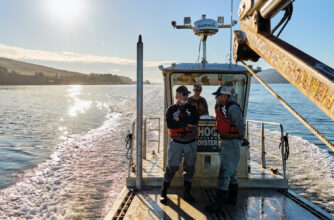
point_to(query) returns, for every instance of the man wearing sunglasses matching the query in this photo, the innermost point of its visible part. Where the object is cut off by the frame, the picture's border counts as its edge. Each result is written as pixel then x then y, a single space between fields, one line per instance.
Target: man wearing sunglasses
pixel 182 119
pixel 198 101
pixel 231 128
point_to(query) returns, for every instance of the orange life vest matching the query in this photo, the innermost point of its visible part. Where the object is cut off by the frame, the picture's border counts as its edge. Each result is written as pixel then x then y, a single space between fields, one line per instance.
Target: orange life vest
pixel 185 131
pixel 225 127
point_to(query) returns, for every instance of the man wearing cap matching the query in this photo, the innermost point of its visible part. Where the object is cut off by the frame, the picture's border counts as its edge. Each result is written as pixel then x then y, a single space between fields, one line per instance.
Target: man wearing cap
pixel 182 119
pixel 231 128
pixel 198 101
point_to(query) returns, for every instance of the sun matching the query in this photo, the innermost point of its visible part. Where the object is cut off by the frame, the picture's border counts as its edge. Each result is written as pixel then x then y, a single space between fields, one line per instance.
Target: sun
pixel 66 11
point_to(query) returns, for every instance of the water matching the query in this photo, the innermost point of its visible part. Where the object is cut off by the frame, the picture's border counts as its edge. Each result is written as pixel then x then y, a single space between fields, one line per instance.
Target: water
pixel 63 156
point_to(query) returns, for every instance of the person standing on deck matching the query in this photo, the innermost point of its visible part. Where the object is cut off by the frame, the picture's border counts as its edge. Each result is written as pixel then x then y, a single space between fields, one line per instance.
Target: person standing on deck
pixel 231 128
pixel 182 119
pixel 198 101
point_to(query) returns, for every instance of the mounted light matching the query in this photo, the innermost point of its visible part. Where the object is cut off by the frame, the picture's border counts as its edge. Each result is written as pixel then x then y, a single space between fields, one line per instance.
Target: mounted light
pixel 187 21
pixel 173 23
pixel 220 20
pixel 234 22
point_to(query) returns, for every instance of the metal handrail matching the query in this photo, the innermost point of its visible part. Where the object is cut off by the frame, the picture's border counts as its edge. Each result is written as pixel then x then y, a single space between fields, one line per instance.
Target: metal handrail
pixel 262 141
pixel 145 135
pixel 267 153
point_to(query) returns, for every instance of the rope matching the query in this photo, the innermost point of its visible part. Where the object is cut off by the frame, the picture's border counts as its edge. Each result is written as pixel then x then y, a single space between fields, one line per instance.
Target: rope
pixel 287 106
pixel 285 140
pixel 128 144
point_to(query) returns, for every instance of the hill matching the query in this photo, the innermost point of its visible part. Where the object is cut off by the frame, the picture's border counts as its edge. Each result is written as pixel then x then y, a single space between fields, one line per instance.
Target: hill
pixel 270 76
pixel 30 69
pixel 13 72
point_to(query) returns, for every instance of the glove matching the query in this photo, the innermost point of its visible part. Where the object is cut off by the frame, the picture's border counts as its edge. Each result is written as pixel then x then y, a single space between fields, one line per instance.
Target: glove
pixel 244 142
pixel 176 114
pixel 224 110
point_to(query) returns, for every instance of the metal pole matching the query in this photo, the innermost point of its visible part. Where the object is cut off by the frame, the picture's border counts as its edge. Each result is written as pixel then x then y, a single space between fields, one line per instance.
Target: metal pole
pixel 247 131
pixel 144 143
pixel 165 145
pixel 263 152
pixel 204 48
pixel 247 137
pixel 139 130
pixel 231 33
pixel 159 137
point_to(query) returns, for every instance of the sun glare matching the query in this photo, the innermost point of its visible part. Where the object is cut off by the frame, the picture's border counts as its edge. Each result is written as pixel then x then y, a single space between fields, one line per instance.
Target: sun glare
pixel 66 11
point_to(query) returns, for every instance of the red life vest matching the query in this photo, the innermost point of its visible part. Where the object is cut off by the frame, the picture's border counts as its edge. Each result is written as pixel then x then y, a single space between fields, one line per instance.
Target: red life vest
pixel 225 127
pixel 185 131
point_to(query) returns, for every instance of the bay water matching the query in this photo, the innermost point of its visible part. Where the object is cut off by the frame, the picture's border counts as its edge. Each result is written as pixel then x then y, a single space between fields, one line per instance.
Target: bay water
pixel 62 152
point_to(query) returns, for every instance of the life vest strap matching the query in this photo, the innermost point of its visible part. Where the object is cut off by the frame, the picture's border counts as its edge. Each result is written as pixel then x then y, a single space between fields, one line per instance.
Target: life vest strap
pixel 227 138
pixel 184 142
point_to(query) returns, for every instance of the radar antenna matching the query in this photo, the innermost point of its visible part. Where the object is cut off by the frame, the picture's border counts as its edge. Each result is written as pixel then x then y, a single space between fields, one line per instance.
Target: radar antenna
pixel 204 27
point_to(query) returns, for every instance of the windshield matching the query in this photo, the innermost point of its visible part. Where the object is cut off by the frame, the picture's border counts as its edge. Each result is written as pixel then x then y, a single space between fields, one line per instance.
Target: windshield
pixel 210 83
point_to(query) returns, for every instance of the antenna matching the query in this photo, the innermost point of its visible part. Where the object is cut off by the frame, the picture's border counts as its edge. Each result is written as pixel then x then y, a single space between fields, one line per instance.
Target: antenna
pixel 231 33
pixel 204 28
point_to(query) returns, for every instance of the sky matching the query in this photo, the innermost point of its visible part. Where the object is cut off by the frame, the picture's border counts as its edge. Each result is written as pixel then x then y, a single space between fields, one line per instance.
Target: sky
pixel 100 36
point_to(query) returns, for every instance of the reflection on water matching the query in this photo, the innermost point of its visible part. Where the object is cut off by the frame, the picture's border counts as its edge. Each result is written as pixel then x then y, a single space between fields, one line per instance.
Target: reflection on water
pixel 77 105
pixel 38 118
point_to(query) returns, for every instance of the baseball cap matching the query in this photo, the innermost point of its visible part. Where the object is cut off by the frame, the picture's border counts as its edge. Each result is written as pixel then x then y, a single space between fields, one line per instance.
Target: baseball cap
pixel 182 89
pixel 223 90
pixel 197 86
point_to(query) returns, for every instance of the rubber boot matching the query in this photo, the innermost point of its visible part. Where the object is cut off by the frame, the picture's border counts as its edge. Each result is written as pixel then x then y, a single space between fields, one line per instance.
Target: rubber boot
pixel 187 196
pixel 219 201
pixel 232 194
pixel 163 195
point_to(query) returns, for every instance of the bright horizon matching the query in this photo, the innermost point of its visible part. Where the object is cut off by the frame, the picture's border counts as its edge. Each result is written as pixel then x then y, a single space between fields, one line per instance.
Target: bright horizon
pixel 100 36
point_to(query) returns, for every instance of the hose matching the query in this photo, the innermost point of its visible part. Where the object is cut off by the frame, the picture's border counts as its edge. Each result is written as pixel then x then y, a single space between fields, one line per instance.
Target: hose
pixel 286 18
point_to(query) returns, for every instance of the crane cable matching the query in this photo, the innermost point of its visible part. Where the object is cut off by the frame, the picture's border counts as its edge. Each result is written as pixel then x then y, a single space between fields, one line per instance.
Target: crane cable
pixel 286 18
pixel 287 106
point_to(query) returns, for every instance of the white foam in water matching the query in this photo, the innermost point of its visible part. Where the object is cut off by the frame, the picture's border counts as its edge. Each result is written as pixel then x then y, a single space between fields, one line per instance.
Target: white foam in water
pixel 309 168
pixel 76 182
pixel 86 173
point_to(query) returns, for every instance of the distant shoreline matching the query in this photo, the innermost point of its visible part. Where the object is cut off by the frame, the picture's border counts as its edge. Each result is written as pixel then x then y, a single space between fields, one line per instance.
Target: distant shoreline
pixel 80 84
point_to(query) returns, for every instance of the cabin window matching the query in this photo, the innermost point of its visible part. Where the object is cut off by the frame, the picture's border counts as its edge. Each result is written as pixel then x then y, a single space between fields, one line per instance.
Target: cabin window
pixel 210 83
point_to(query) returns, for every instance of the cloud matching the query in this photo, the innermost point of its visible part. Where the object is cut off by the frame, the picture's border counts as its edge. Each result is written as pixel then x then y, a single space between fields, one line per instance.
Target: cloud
pixel 69 57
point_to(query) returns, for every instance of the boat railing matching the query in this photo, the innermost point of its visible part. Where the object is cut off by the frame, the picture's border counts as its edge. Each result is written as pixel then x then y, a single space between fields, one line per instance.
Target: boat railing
pixel 283 145
pixel 146 134
pixel 129 147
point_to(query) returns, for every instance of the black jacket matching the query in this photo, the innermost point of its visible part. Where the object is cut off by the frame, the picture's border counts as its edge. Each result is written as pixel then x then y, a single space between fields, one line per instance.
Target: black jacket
pixel 184 120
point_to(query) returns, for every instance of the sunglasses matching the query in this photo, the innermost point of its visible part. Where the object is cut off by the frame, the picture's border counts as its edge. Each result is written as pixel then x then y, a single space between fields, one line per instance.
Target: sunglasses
pixel 185 93
pixel 197 90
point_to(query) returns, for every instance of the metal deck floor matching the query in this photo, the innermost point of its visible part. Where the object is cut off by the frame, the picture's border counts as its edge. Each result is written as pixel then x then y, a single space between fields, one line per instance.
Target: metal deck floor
pixel 153 176
pixel 252 204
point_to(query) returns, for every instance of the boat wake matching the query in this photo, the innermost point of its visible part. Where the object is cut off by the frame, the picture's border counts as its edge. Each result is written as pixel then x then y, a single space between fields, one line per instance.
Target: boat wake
pixel 309 168
pixel 86 173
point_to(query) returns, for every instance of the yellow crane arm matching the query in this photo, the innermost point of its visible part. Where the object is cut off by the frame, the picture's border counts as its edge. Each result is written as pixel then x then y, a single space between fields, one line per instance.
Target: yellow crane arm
pixel 254 39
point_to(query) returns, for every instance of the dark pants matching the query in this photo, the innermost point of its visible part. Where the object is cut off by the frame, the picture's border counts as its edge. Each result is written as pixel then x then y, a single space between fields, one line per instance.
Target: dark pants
pixel 229 160
pixel 175 152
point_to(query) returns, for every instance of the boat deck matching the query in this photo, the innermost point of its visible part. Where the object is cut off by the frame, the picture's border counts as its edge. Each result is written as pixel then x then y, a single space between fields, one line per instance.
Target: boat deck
pixel 257 177
pixel 252 204
pixel 261 196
